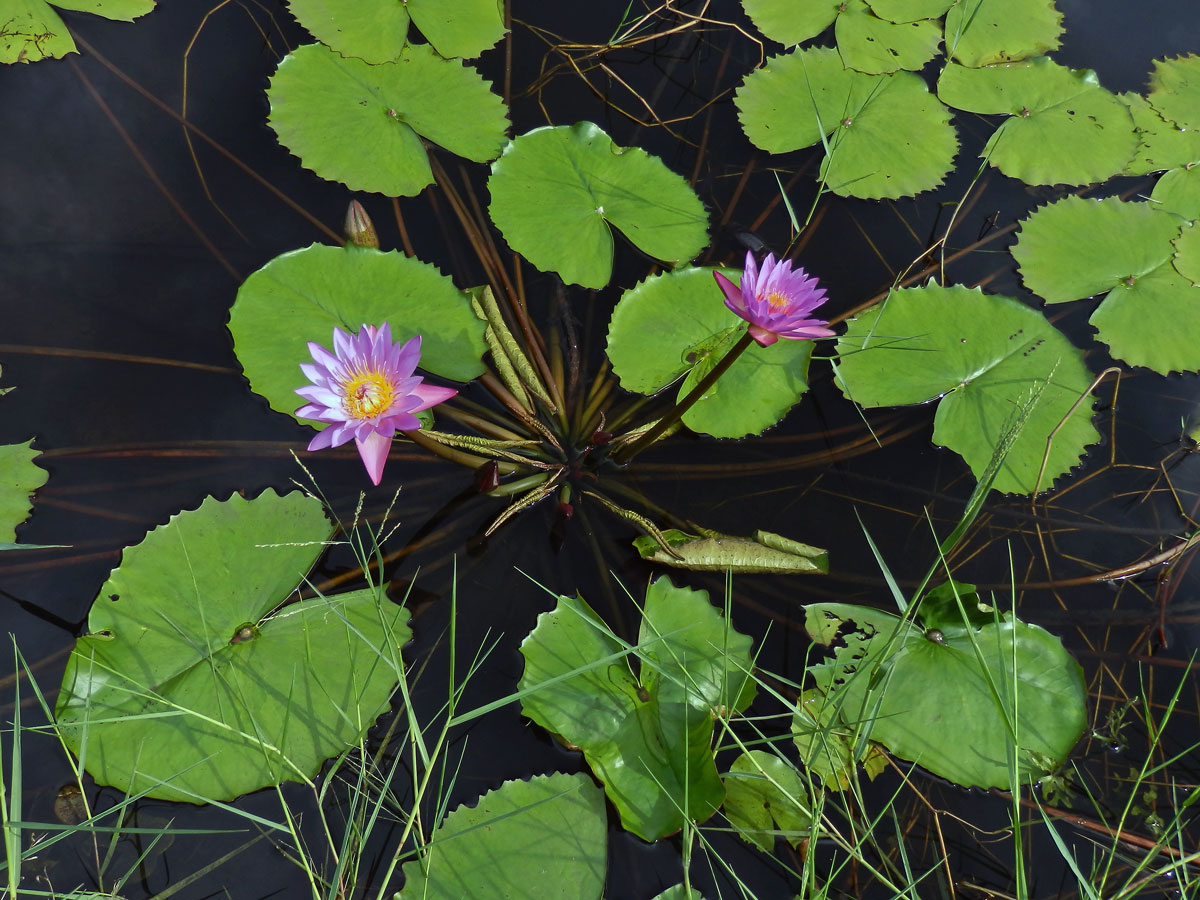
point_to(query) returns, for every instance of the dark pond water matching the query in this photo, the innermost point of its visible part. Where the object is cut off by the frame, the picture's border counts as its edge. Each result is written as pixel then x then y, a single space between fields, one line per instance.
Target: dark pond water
pixel 117 272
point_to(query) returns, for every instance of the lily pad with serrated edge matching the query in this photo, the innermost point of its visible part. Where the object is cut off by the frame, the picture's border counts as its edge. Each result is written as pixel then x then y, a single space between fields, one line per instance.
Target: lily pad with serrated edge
pixel 887 135
pixel 1078 247
pixel 984 32
pixel 677 324
pixel 376 31
pixel 319 288
pixel 362 124
pixel 789 22
pixel 1154 322
pixel 1187 253
pixel 1161 144
pixel 764 794
pixel 30 30
pixel 988 358
pixel 1175 90
pixel 19 478
pixel 1063 127
pixel 546 837
pixel 1178 191
pixel 595 186
pixel 194 684
pixel 909 10
pixel 876 46
pixel 904 688
pixel 647 736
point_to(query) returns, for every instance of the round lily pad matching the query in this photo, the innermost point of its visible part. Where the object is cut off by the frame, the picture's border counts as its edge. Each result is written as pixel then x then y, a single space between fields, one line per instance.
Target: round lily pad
pixel 319 288
pixel 764 793
pixel 483 852
pixel 1187 253
pixel 789 22
pixel 1062 126
pixel 19 478
pixel 1004 375
pixel 877 46
pixel 1161 144
pixel 30 30
pixel 909 10
pixel 195 683
pixel 1178 191
pixel 362 124
pixel 887 135
pixel 677 324
pixel 1154 322
pixel 593 184
pixel 980 32
pixel 1175 90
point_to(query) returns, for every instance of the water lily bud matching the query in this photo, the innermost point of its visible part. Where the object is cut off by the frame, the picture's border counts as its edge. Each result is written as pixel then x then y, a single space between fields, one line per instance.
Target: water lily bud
pixel 359 228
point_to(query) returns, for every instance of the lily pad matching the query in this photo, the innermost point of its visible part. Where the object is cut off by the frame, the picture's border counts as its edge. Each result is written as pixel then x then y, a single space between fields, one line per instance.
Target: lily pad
pixel 982 32
pixel 909 10
pixel 30 30
pixel 789 22
pixel 679 892
pixel 1187 253
pixel 317 288
pixel 677 324
pixel 362 124
pixel 486 851
pixel 877 46
pixel 19 478
pixel 1175 90
pixel 1063 127
pixel 377 30
pixel 993 361
pixel 595 186
pixel 764 552
pixel 908 687
pixel 1161 144
pixel 764 794
pixel 887 135
pixel 194 683
pixel 1155 322
pixel 1178 191
pixel 646 736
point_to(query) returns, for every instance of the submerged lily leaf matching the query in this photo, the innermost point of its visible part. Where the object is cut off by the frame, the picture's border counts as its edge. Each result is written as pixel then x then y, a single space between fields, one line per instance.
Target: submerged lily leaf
pixel 546 838
pixel 192 682
pixel 1062 126
pixel 319 287
pixel 648 736
pixel 877 46
pixel 764 793
pixel 988 358
pixel 30 30
pixel 764 552
pixel 679 892
pixel 595 184
pixel 1161 144
pixel 1077 248
pixel 1175 90
pixel 362 124
pixel 887 135
pixel 981 32
pixel 676 324
pixel 19 478
pixel 377 30
pixel 908 687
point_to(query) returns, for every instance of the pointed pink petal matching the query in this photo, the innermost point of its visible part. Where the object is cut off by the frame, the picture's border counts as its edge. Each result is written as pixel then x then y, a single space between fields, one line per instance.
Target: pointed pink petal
pixel 323 440
pixel 343 344
pixel 431 394
pixel 733 293
pixel 765 338
pixel 374 450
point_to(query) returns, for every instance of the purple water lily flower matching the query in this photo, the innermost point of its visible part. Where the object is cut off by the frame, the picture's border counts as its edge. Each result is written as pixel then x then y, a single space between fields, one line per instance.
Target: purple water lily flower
pixel 366 390
pixel 776 301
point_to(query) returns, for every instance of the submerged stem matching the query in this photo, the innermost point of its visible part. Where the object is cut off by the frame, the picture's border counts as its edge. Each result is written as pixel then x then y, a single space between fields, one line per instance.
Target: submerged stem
pixel 625 454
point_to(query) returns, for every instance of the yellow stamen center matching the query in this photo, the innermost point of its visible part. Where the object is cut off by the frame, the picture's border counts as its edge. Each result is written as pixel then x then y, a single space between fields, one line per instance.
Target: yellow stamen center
pixel 777 301
pixel 367 395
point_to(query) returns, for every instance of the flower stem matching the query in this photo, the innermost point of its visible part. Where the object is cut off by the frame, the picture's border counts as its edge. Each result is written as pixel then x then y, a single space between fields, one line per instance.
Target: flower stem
pixel 628 452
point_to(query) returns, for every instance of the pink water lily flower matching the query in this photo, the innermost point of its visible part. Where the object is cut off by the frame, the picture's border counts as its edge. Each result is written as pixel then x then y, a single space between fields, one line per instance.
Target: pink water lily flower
pixel 777 302
pixel 366 390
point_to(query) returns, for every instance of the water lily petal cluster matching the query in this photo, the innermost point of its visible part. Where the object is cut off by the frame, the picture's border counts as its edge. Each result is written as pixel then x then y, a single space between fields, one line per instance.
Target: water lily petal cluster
pixel 365 389
pixel 777 301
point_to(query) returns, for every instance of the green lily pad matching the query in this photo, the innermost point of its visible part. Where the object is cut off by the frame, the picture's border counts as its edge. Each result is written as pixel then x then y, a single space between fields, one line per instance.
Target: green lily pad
pixel 1155 322
pixel 377 30
pixel 676 324
pixel 679 892
pixel 1063 127
pixel 1078 247
pixel 594 184
pixel 908 688
pixel 30 30
pixel 486 851
pixel 981 32
pixel 1175 90
pixel 1187 253
pixel 764 552
pixel 909 10
pixel 988 358
pixel 1161 144
pixel 789 22
pixel 1178 191
pixel 764 794
pixel 193 683
pixel 317 288
pixel 647 737
pixel 19 478
pixel 877 46
pixel 887 135
pixel 362 124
